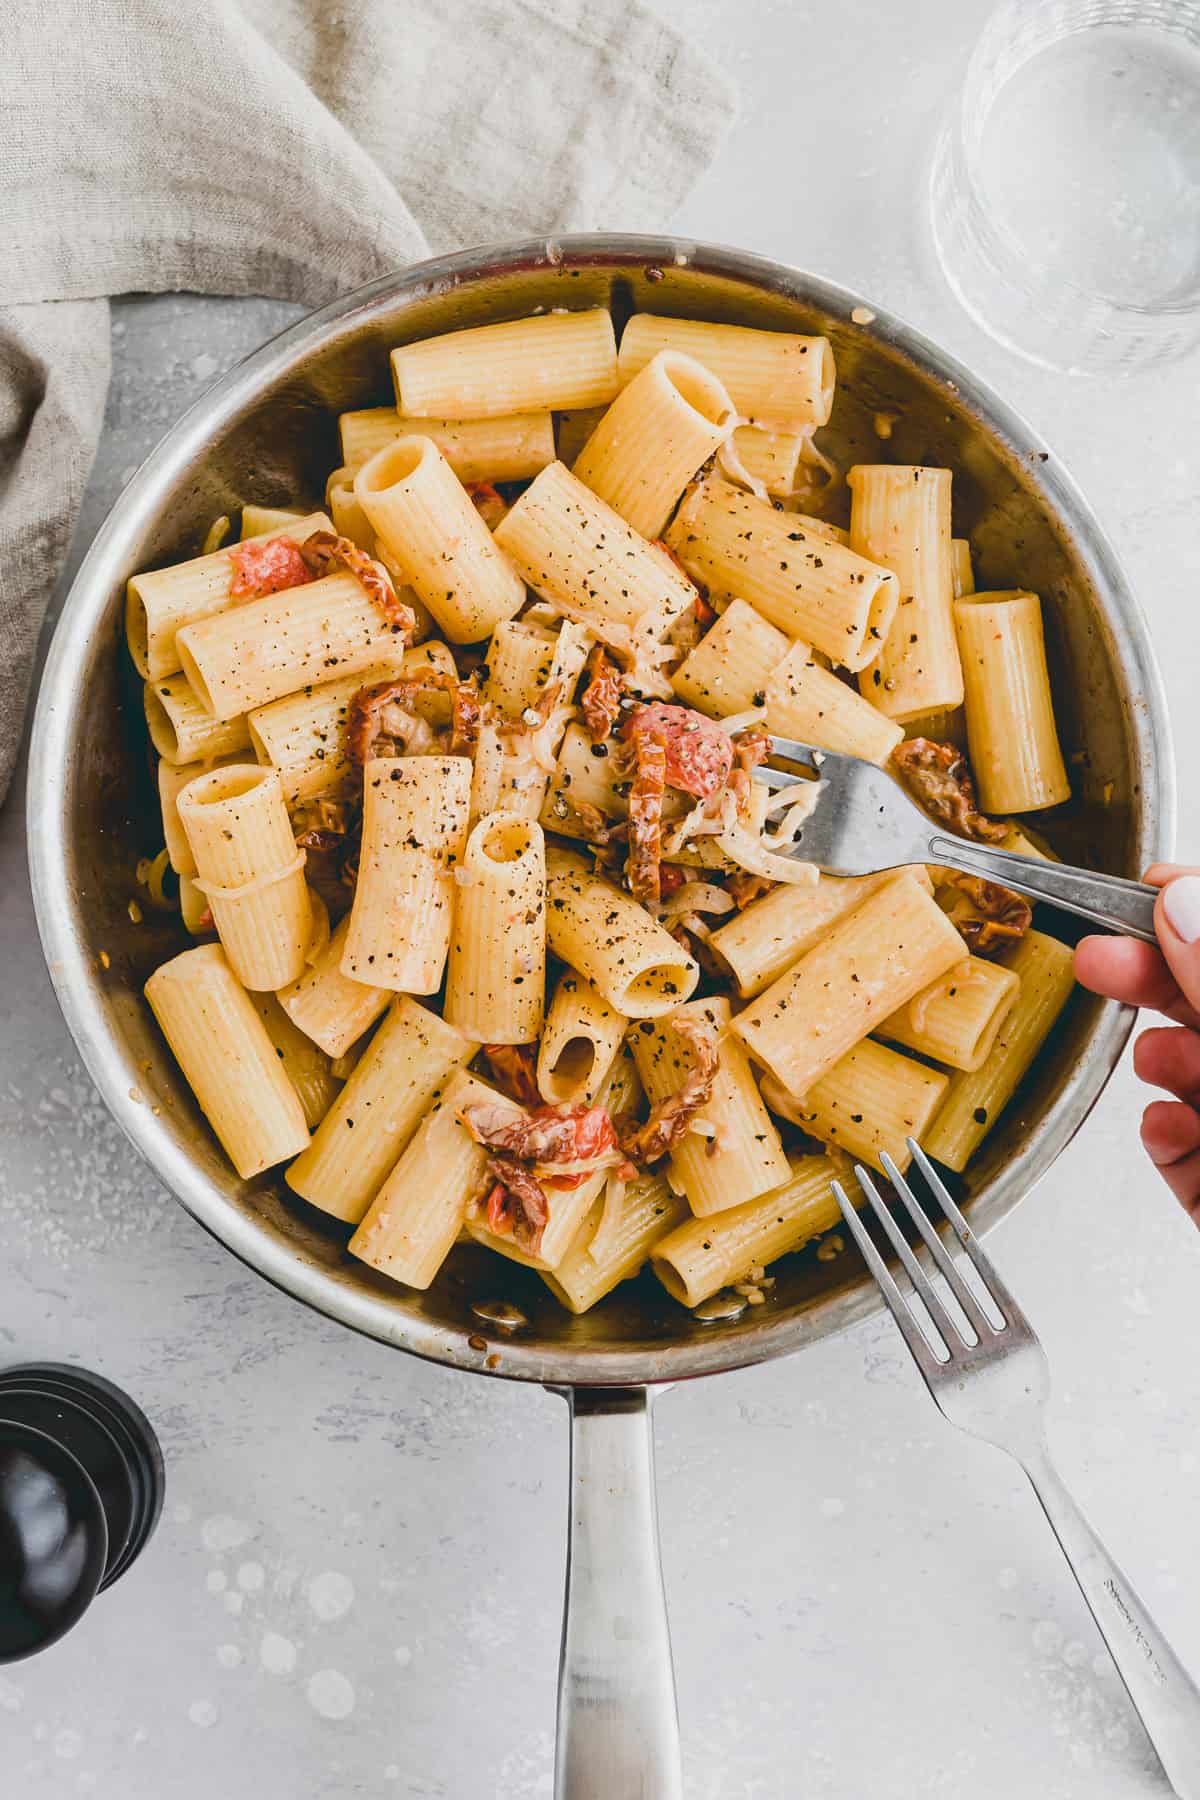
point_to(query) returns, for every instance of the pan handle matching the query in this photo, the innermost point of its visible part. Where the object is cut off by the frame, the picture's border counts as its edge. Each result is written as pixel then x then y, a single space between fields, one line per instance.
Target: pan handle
pixel 618 1729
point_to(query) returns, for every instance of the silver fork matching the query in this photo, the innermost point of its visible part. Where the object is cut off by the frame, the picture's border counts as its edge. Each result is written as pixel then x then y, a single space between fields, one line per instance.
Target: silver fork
pixel 863 821
pixel 989 1376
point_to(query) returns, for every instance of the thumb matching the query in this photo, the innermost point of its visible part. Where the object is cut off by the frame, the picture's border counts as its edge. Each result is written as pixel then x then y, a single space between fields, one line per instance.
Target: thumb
pixel 1177 921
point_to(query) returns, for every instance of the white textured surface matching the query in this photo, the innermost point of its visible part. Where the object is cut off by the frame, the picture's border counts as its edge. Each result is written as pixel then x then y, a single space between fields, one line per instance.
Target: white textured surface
pixel 355 1588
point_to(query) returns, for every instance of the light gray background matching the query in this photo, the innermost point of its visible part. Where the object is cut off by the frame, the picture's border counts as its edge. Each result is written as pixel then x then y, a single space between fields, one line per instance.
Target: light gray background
pixel 864 1603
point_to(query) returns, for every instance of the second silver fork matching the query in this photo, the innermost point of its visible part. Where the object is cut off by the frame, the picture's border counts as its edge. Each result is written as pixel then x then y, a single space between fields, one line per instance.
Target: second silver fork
pixel 988 1374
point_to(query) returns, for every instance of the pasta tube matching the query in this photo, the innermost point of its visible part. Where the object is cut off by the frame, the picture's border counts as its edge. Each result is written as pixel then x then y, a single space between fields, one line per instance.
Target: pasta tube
pixel 426 519
pixel 976 1099
pixel 194 909
pixel 957 1019
pixel 580 780
pixel 554 360
pixel 414 827
pixel 757 945
pixel 160 602
pixel 1011 732
pixel 770 458
pixel 237 661
pixel 510 447
pixel 732 1152
pixel 960 562
pixel 172 779
pixel 183 731
pixel 653 438
pixel 420 1209
pixel 524 659
pixel 808 585
pixel 411 1056
pixel 575 550
pixel 744 662
pixel 701 1256
pixel 266 521
pixel 591 1268
pixel 247 863
pixel 868 965
pixel 613 942
pixel 900 518
pixel 229 1062
pixel 495 983
pixel 776 377
pixel 304 736
pixel 871 1101
pixel 327 1006
pixel 347 514
pixel 306 1067
pixel 567 1207
pixel 579 1043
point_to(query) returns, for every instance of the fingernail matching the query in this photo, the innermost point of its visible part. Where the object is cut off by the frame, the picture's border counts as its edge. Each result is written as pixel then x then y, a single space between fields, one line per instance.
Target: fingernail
pixel 1181 903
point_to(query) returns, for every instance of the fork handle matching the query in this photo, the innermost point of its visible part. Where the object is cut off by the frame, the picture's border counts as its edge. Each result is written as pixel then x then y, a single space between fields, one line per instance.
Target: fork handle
pixel 1108 900
pixel 1163 1693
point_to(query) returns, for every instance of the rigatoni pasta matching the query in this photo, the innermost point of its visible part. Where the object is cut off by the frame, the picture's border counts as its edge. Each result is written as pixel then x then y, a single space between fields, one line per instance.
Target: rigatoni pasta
pixel 503 448
pixel 284 642
pixel 580 1040
pixel 184 731
pixel 634 962
pixel 230 1063
pixel 420 1209
pixel 872 961
pixel 1011 732
pixel 248 866
pixel 900 518
pixel 566 359
pixel 977 1098
pixel 957 1019
pixel 574 550
pixel 757 945
pixel 304 735
pixel 806 584
pixel 407 1062
pixel 701 1256
pixel 425 517
pixel 731 1150
pixel 652 439
pixel 495 983
pixel 327 1006
pixel 484 899
pixel 607 1250
pixel 160 602
pixel 775 376
pixel 414 827
pixel 871 1100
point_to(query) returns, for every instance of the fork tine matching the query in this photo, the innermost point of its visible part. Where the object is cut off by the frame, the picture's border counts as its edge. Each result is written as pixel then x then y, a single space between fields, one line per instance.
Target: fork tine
pixel 997 1289
pixel 778 779
pixel 922 1286
pixel 945 1262
pixel 922 1351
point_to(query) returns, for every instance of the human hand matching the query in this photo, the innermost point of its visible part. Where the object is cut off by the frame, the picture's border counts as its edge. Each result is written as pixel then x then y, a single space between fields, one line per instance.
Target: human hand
pixel 1167 980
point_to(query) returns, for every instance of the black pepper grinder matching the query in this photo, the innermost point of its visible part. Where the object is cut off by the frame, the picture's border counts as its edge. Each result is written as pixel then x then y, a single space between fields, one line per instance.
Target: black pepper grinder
pixel 81 1490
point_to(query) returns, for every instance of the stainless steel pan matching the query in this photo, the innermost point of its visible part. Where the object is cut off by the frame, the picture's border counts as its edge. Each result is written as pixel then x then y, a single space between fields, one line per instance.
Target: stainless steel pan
pixel 266 433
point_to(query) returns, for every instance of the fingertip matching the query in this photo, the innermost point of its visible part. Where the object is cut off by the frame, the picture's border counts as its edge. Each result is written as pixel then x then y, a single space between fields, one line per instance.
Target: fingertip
pixel 1170 1131
pixel 1127 970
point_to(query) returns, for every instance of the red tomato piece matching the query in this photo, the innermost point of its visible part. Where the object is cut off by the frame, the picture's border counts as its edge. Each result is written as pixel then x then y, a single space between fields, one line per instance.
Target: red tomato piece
pixel 699 753
pixel 266 566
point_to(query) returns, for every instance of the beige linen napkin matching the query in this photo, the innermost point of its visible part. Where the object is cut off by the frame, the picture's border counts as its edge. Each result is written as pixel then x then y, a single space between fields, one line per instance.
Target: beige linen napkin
pixel 291 148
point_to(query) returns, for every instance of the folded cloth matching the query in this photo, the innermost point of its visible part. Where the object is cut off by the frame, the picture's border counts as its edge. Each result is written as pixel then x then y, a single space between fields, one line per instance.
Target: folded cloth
pixel 291 148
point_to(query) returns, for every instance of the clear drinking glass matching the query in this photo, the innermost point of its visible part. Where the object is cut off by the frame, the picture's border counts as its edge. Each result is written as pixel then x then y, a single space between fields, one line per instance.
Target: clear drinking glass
pixel 1065 192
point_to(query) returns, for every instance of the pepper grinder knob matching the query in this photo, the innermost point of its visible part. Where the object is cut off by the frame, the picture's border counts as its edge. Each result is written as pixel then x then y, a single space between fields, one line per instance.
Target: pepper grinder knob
pixel 81 1491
